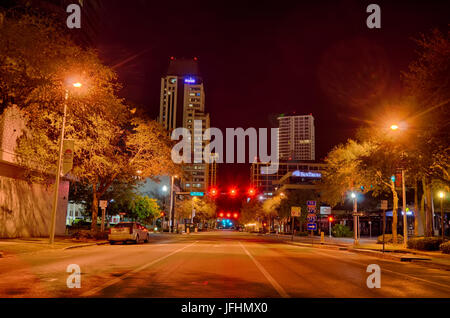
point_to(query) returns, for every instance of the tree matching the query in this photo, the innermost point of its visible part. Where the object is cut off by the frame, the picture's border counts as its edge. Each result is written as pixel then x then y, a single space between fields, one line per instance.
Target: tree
pixel 144 208
pixel 110 143
pixel 251 211
pixel 343 172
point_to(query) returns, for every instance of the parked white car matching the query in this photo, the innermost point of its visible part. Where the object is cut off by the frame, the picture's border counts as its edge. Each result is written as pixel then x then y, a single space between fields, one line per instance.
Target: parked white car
pixel 128 231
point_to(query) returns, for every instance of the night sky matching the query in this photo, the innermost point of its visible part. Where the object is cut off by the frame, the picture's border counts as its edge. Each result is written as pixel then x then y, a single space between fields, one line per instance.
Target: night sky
pixel 263 58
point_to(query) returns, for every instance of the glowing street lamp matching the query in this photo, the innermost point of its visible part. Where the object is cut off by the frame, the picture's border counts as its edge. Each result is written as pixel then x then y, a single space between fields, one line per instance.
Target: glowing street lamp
pixel 58 169
pixel 394 127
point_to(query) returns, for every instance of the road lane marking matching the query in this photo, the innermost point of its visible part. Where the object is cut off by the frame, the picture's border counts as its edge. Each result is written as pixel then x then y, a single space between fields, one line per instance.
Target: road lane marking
pixel 120 278
pixel 382 269
pixel 272 281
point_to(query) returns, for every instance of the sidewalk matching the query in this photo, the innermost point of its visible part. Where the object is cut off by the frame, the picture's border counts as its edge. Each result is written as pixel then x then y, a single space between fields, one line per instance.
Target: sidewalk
pixel 31 245
pixel 367 246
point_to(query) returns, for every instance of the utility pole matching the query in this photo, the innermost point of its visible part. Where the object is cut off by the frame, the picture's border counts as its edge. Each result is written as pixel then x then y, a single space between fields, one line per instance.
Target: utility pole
pixel 355 219
pixel 58 173
pixel 171 219
pixel 405 218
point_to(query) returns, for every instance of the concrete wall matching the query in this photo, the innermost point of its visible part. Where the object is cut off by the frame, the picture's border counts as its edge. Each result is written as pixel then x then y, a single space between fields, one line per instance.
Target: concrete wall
pixel 25 209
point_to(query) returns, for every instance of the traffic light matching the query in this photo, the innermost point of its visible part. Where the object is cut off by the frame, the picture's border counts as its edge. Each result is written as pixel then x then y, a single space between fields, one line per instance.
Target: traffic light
pixel 264 224
pixel 251 192
pixel 330 218
pixel 221 214
pixel 228 215
pixel 235 215
pixel 162 214
pixel 233 192
pixel 213 192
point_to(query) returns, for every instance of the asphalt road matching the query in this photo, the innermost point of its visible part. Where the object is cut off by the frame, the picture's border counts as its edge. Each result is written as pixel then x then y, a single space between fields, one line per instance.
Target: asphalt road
pixel 214 264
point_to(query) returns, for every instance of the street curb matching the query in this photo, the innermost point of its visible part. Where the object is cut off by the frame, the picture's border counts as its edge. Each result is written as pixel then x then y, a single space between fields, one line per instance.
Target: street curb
pixel 377 254
pixel 400 258
pixel 84 245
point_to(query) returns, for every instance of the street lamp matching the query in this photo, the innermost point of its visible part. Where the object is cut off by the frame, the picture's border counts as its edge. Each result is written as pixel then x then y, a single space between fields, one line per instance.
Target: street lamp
pixel 58 170
pixel 441 196
pixel 405 218
pixel 172 219
pixel 355 218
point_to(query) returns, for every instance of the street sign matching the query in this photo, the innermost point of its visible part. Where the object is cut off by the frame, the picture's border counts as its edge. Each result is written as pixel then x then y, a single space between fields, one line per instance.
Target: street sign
pixel 311 218
pixel 197 194
pixel 384 204
pixel 312 226
pixel 103 204
pixel 311 210
pixel 325 210
pixel 358 214
pixel 311 203
pixel 295 210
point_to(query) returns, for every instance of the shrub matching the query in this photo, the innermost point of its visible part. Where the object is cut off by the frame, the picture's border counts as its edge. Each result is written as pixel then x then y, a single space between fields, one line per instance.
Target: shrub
pixel 340 230
pixel 445 247
pixel 388 238
pixel 425 243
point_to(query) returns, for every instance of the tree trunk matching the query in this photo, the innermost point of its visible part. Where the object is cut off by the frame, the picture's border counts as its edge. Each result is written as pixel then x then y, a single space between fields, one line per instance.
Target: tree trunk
pixel 428 211
pixel 394 213
pixel 94 208
pixel 416 209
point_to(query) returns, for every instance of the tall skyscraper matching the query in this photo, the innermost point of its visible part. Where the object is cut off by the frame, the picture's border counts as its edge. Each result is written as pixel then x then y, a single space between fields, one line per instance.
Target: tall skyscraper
pixel 296 139
pixel 182 103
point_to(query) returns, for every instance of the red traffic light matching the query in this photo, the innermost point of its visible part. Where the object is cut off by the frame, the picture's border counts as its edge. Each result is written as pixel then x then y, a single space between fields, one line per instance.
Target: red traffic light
pixel 330 219
pixel 235 215
pixel 251 192
pixel 221 214
pixel 233 192
pixel 228 215
pixel 162 214
pixel 213 192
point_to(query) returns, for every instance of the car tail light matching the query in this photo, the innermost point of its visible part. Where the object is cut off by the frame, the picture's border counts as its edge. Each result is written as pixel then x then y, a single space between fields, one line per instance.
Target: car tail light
pixel 109 231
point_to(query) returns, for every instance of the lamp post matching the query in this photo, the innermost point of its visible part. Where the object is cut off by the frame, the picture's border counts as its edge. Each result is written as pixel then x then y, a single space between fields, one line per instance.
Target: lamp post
pixel 396 127
pixel 355 218
pixel 441 196
pixel 171 217
pixel 58 169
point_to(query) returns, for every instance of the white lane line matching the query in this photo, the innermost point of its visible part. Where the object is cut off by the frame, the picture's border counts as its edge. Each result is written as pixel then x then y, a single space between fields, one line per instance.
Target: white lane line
pixel 384 269
pixel 118 279
pixel 272 281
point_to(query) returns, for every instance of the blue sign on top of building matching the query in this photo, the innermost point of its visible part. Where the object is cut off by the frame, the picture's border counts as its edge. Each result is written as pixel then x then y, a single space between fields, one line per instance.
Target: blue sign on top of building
pixel 197 194
pixel 306 174
pixel 189 80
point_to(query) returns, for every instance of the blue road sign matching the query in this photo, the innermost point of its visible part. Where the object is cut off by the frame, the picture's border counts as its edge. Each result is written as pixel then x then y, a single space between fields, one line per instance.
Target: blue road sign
pixel 311 218
pixel 311 203
pixel 312 210
pixel 312 226
pixel 197 194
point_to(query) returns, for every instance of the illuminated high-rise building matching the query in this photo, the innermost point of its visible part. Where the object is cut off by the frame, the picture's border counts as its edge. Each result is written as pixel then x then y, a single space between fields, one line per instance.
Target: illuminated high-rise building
pixel 182 102
pixel 296 137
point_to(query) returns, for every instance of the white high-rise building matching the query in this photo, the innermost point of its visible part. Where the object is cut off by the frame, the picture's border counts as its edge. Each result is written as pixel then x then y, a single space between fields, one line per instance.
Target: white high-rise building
pixel 296 139
pixel 182 102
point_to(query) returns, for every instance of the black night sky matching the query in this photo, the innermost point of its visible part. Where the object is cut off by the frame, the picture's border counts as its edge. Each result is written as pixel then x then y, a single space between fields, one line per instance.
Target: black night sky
pixel 261 58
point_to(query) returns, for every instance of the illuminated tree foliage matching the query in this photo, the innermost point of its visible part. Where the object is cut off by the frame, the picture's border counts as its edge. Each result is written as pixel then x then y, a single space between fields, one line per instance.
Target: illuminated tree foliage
pixel 38 64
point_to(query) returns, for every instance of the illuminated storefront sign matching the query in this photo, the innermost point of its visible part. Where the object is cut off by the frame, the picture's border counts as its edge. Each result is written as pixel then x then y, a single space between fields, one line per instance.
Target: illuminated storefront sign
pixel 306 174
